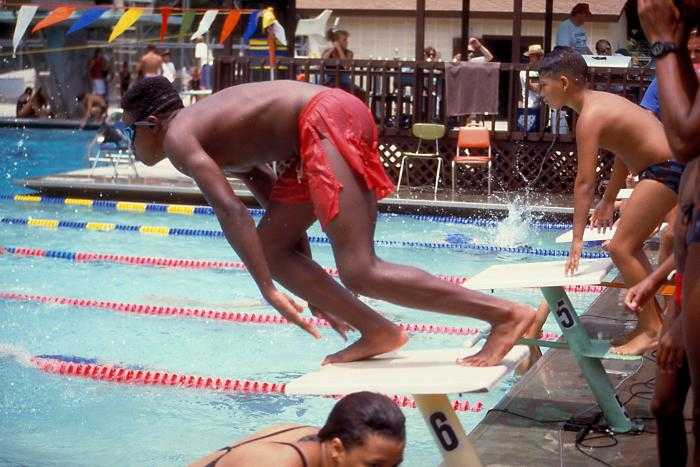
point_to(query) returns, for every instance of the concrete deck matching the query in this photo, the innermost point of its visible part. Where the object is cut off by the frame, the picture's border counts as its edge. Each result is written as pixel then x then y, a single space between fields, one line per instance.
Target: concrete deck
pixel 554 389
pixel 163 182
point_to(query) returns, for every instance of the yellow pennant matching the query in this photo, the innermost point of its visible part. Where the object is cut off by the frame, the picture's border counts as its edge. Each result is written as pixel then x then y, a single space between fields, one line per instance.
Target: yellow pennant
pixel 125 22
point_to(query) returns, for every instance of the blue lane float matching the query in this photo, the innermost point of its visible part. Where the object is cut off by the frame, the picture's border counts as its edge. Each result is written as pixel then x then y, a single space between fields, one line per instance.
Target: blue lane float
pixel 129 206
pixel 453 241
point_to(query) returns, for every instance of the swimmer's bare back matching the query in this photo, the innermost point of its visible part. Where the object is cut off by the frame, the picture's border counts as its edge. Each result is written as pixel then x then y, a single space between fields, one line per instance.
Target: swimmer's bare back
pixel 633 134
pixel 243 126
pixel 269 447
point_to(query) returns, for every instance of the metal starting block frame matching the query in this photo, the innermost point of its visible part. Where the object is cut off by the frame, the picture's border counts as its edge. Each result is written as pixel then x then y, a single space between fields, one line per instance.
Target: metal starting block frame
pixel 429 375
pixel 550 279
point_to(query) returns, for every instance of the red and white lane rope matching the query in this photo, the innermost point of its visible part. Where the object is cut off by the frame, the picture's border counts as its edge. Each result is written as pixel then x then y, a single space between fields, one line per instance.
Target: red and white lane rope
pixel 121 375
pixel 234 317
pixel 86 257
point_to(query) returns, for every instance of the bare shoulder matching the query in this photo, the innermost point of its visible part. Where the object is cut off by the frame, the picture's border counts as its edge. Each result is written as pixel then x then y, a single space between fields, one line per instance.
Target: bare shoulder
pixel 262 455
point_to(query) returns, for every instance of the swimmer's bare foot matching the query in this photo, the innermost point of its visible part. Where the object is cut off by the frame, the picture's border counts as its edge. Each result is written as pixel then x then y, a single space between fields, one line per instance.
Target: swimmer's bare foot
pixel 366 347
pixel 534 332
pixel 502 337
pixel 639 342
pixel 622 340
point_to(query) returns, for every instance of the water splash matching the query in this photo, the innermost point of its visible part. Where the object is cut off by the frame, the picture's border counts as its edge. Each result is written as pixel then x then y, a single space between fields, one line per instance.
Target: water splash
pixel 516 229
pixel 16 353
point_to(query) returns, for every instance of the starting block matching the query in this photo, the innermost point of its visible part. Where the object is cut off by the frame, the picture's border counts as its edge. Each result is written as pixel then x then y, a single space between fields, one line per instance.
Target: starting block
pixel 591 234
pixel 624 193
pixel 588 353
pixel 429 375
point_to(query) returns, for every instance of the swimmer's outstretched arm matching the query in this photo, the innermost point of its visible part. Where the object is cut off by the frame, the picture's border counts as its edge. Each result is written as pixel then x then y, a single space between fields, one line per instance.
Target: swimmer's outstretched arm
pixel 587 131
pixel 260 181
pixel 235 220
pixel 676 79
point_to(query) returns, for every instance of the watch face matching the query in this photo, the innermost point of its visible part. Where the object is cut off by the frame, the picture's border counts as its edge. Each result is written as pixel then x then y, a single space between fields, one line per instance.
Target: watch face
pixel 657 48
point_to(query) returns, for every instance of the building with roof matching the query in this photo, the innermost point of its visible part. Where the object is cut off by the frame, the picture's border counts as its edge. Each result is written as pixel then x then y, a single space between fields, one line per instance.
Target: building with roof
pixel 386 28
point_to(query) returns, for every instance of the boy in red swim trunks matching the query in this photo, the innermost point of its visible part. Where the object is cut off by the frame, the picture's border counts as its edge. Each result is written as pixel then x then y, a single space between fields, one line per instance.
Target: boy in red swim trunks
pixel 330 138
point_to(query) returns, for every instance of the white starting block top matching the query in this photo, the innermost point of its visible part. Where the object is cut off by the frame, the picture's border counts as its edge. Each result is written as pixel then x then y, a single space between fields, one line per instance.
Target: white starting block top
pixel 624 193
pixel 407 372
pixel 542 274
pixel 591 234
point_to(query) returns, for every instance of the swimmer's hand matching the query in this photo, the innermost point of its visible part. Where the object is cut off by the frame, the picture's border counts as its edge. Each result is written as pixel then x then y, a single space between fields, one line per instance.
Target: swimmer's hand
pixel 572 261
pixel 671 351
pixel 290 310
pixel 661 21
pixel 602 217
pixel 638 295
pixel 340 326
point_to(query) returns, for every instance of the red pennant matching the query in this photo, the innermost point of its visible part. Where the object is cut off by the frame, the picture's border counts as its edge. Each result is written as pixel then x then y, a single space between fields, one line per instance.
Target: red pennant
pixel 164 14
pixel 229 25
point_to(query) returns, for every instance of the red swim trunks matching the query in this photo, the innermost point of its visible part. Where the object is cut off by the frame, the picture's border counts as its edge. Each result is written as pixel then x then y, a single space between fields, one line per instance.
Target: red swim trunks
pixel 347 123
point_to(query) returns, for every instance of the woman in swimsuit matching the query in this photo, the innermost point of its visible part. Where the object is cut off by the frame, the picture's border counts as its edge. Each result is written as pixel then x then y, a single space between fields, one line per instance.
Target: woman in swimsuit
pixel 364 429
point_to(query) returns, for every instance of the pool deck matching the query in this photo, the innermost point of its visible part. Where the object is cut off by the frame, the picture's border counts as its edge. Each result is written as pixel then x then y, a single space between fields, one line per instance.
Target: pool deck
pixel 555 389
pixel 163 183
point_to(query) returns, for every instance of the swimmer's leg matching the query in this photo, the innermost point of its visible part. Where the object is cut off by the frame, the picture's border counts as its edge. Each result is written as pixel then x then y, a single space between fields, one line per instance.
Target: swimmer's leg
pixel 352 237
pixel 280 231
pixel 649 203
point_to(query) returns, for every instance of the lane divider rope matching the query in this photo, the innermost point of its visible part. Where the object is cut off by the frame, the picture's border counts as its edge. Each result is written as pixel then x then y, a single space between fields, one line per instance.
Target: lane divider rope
pixel 453 242
pixel 184 209
pixel 80 256
pixel 235 317
pixel 77 367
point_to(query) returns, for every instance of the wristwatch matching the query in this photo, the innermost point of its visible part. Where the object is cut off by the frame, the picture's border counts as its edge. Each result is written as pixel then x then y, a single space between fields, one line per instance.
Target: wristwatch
pixel 659 49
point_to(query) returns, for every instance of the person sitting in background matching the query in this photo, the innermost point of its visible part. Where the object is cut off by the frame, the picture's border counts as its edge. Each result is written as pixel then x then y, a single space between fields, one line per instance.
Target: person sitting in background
pixel 363 428
pixel 476 52
pixel 603 47
pixel 36 107
pixel 571 32
pixel 94 108
pixel 430 54
pixel 194 84
pixel 23 99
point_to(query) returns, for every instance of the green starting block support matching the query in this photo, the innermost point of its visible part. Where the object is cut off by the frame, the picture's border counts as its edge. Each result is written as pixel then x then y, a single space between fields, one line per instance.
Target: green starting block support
pixel 588 354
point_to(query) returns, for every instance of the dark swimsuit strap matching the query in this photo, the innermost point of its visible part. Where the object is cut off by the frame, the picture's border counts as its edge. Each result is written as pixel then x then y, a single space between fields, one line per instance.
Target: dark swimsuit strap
pixel 230 448
pixel 297 449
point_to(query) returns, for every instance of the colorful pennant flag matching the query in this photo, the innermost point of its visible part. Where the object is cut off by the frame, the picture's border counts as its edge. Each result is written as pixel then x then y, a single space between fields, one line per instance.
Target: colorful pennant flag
pixel 58 15
pixel 164 15
pixel 251 26
pixel 186 24
pixel 205 23
pixel 270 21
pixel 229 25
pixel 24 16
pixel 125 22
pixel 87 18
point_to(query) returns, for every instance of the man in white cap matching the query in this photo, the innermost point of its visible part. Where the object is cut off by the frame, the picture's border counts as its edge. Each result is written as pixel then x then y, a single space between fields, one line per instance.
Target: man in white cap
pixel 571 32
pixel 529 78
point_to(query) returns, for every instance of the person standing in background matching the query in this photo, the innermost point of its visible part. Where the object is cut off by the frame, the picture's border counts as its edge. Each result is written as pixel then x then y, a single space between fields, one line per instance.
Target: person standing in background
pixel 571 32
pixel 150 64
pixel 203 60
pixel 124 78
pixel 476 52
pixel 98 71
pixel 168 67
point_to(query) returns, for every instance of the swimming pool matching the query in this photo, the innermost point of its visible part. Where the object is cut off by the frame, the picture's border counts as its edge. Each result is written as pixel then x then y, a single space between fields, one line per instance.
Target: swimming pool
pixel 49 419
pixel 29 152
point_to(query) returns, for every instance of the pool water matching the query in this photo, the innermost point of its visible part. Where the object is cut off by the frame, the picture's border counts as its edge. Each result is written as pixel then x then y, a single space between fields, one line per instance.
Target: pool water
pixel 31 152
pixel 59 421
